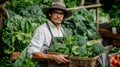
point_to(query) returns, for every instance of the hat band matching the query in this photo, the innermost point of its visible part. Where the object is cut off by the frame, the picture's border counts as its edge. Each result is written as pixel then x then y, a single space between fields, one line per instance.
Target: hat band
pixel 58 6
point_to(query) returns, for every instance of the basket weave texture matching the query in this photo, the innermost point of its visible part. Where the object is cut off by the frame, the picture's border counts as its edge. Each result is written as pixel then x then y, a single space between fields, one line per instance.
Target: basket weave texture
pixel 75 62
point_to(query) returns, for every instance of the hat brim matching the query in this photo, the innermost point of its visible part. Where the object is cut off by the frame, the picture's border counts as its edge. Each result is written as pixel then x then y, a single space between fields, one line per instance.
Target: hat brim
pixel 46 10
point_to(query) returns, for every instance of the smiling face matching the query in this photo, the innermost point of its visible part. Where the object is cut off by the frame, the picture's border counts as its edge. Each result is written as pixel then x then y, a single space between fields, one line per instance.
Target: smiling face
pixel 56 16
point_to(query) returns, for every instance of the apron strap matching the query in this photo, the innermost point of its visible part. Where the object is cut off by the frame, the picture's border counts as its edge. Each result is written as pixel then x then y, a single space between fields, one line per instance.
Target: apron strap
pixel 52 39
pixel 51 31
pixel 63 33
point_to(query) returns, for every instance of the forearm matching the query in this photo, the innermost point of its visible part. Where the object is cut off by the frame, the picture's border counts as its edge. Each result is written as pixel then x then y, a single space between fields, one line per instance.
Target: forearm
pixel 42 56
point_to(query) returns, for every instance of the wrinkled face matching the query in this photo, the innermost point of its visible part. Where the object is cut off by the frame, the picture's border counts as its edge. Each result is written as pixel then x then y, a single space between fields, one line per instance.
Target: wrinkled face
pixel 56 16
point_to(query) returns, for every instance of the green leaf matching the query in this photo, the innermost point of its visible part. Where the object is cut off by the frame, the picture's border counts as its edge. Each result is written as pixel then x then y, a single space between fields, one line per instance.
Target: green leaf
pixel 24 61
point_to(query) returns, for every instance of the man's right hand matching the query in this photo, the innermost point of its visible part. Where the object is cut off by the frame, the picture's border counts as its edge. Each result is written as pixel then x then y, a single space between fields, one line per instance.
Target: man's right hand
pixel 60 58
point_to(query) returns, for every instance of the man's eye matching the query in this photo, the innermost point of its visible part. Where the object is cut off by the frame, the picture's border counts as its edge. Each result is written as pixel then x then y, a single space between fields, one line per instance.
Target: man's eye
pixel 58 13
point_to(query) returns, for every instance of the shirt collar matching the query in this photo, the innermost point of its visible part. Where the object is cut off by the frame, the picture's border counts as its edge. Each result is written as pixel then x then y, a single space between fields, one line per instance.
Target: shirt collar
pixel 52 25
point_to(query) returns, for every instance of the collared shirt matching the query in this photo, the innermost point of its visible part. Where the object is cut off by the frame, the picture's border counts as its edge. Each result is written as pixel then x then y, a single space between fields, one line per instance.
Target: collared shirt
pixel 42 38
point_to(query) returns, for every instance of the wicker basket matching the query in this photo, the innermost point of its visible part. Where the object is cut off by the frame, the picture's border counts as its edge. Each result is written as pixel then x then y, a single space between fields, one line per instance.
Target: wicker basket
pixel 83 62
pixel 76 62
pixel 54 64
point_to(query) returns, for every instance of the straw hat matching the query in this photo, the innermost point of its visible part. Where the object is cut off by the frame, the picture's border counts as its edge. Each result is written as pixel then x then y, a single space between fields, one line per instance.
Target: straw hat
pixel 57 4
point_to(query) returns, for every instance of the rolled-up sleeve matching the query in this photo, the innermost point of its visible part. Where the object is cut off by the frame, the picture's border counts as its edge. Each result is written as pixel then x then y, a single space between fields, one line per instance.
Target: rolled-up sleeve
pixel 36 42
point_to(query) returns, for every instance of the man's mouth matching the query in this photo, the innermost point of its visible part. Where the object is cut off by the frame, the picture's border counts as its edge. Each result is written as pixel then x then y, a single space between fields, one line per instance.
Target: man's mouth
pixel 58 20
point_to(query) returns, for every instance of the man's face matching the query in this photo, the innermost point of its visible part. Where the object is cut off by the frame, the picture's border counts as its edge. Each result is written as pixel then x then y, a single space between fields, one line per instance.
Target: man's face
pixel 57 16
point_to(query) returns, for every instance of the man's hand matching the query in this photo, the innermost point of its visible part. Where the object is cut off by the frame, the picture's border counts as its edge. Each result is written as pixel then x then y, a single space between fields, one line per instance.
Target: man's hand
pixel 60 58
pixel 15 55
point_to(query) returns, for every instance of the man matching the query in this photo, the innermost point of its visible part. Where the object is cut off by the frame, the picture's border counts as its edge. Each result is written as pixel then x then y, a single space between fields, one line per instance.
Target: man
pixel 46 33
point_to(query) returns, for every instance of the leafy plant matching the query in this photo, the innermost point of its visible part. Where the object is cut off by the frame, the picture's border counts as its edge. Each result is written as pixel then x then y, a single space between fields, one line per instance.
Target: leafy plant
pixel 103 16
pixel 115 23
pixel 72 47
pixel 18 32
pixel 115 9
pixel 72 3
pixel 80 22
pixel 24 61
pixel 34 12
pixel 19 29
